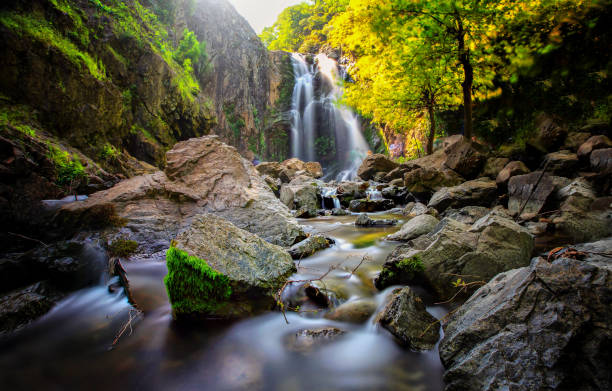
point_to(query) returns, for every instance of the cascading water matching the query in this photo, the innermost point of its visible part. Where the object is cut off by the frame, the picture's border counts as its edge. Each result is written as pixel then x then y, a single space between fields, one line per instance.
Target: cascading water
pixel 323 130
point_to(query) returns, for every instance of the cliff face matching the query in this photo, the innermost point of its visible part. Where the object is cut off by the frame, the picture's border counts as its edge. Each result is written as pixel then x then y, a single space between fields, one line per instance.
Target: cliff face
pixel 247 83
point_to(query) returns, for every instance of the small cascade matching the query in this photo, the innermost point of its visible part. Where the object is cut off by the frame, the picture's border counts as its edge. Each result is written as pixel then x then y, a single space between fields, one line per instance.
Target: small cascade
pixel 328 194
pixel 323 130
pixel 373 193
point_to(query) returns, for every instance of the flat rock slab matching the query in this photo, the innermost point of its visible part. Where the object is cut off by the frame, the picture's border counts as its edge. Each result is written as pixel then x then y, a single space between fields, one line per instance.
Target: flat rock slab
pixel 527 196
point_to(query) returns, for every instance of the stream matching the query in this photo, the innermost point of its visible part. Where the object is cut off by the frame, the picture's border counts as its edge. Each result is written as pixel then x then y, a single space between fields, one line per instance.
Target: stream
pixel 71 346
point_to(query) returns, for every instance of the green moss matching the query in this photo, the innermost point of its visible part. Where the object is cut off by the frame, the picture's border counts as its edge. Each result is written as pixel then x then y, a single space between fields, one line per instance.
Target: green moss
pixel 193 286
pixel 38 28
pixel 108 152
pixel 403 272
pixel 368 240
pixel 122 248
pixel 234 121
pixel 68 167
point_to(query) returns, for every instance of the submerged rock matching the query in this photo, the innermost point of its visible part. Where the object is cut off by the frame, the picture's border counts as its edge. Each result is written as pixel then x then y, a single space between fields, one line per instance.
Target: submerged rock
pixel 541 327
pixel 356 311
pixel 365 221
pixel 415 227
pixel 309 246
pixel 306 340
pixel 405 316
pixel 218 270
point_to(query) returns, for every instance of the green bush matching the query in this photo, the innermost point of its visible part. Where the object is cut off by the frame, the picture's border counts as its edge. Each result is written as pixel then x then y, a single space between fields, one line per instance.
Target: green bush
pixel 68 168
pixel 193 286
pixel 122 248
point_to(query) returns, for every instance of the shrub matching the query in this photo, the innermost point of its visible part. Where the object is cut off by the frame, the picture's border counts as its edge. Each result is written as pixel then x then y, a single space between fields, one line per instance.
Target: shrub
pixel 122 248
pixel 68 168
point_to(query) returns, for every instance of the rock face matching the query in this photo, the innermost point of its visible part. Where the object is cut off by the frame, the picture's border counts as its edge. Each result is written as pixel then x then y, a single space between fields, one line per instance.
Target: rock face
pixel 420 225
pixel 493 244
pixel 365 205
pixel 523 198
pixel 479 192
pixel 464 159
pixel 406 318
pixel 252 270
pixel 202 175
pixel 302 197
pixel 541 327
pixel 374 164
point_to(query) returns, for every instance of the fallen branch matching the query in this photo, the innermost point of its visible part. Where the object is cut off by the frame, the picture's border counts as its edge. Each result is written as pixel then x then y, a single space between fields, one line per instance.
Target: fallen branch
pixel 28 238
pixel 134 313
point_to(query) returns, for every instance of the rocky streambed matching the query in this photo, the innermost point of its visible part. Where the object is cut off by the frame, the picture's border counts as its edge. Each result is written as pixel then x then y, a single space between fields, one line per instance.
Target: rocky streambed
pixel 462 270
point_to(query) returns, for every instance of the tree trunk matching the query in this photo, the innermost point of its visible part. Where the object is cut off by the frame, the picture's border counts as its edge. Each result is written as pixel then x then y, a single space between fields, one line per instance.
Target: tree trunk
pixel 468 72
pixel 432 128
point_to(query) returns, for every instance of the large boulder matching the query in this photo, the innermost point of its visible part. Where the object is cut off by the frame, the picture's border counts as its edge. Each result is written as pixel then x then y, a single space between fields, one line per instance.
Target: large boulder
pixel 375 164
pixel 592 144
pixel 601 160
pixel 466 215
pixel 289 169
pixel 479 192
pixel 218 270
pixel 494 166
pixel 348 191
pixel 303 198
pixel 528 193
pixel 202 175
pixel 398 172
pixel 404 315
pixel 423 182
pixel 541 327
pixel 453 250
pixel 464 159
pixel 420 225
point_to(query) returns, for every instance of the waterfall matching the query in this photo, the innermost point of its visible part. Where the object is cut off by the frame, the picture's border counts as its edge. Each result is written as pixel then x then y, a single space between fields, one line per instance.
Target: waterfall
pixel 322 129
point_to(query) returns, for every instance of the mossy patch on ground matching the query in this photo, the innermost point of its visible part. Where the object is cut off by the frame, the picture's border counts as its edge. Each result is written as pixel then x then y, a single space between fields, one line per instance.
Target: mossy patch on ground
pixel 194 288
pixel 122 248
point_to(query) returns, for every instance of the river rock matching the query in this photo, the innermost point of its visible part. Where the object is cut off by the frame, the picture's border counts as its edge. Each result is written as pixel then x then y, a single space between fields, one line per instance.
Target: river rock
pixel 562 162
pixel 366 205
pixel 398 173
pixel 417 226
pixel 575 139
pixel 21 306
pixel 464 159
pixel 423 182
pixel 309 246
pixel 306 340
pixel 254 270
pixel 493 244
pixel 541 327
pixel 466 215
pixel 302 197
pixel 494 166
pixel 398 194
pixel 355 311
pixel 405 316
pixel 478 192
pixel 583 226
pixel 576 196
pixel 348 191
pixel 202 175
pixel 522 195
pixel 511 169
pixel 592 144
pixel 374 164
pixel 339 212
pixel 601 160
pixel 365 221
pixel 413 209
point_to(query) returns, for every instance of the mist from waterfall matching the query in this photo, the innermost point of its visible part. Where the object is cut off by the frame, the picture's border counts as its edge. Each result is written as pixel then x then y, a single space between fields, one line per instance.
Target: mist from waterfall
pixel 318 119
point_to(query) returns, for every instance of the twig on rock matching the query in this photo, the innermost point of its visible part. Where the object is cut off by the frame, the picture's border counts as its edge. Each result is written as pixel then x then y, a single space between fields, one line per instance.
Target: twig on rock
pixel 28 238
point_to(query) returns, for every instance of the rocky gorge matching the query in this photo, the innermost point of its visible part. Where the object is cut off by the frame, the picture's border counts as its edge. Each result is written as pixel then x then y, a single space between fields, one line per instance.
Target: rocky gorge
pixel 183 263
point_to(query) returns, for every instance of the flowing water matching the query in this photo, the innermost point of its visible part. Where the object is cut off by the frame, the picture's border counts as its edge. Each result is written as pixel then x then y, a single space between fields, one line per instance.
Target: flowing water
pixel 321 127
pixel 69 348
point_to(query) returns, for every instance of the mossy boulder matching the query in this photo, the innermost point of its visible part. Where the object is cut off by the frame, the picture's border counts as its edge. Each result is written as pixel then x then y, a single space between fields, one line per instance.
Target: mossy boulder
pixel 217 270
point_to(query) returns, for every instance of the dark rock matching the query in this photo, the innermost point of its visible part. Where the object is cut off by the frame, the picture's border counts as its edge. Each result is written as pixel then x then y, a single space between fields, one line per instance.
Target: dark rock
pixel 575 139
pixel 20 307
pixel 601 160
pixel 464 159
pixel 309 246
pixel 550 134
pixel 339 212
pixel 494 166
pixel 541 327
pixel 523 198
pixel 398 194
pixel 318 297
pixel 415 227
pixel 466 215
pixel 562 163
pixel 365 221
pixel 406 318
pixel 592 144
pixel 478 192
pixel 305 341
pixel 398 172
pixel 423 182
pixel 365 205
pixel 374 164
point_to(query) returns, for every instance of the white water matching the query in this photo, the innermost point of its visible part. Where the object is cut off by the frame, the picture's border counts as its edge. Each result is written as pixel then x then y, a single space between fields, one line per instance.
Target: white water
pixel 322 116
